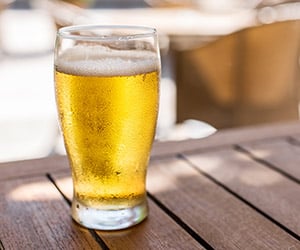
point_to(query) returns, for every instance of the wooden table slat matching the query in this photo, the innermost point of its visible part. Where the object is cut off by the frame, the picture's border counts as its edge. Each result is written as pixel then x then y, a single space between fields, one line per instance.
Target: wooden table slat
pixel 28 222
pixel 20 169
pixel 266 189
pixel 281 154
pixel 221 219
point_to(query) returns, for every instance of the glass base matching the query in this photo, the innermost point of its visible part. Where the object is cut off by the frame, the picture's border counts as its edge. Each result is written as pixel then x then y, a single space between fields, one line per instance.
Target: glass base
pixel 108 219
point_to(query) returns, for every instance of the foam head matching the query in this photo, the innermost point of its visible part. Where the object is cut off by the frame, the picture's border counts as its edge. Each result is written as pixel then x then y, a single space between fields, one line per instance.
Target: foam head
pixel 104 61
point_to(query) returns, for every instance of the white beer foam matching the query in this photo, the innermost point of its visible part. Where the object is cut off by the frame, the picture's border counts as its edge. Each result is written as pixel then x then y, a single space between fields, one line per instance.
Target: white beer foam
pixel 103 61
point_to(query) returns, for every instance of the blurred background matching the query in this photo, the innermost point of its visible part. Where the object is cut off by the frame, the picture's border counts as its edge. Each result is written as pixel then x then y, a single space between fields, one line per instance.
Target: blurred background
pixel 225 64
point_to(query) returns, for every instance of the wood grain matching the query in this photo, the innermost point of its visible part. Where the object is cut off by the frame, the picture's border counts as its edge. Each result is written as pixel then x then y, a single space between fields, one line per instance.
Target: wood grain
pixel 221 219
pixel 281 154
pixel 159 231
pixel 267 190
pixel 27 214
pixel 29 168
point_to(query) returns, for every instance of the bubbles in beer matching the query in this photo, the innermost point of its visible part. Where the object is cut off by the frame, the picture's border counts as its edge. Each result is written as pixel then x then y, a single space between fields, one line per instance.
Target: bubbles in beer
pixel 108 104
pixel 104 61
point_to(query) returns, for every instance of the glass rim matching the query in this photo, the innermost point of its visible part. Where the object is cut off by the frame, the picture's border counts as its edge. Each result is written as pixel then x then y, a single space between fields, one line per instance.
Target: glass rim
pixel 141 32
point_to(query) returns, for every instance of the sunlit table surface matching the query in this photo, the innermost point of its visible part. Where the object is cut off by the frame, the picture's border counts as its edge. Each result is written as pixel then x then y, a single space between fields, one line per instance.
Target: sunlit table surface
pixel 237 189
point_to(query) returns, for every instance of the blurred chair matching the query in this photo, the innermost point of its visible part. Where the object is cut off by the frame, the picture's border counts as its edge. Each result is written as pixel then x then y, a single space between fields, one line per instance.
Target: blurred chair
pixel 249 77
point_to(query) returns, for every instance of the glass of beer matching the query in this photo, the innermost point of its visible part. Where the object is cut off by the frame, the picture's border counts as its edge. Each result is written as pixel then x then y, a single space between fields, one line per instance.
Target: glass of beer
pixel 107 92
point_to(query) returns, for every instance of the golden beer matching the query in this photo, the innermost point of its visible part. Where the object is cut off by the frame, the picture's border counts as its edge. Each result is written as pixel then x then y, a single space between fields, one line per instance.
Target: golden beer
pixel 107 91
pixel 108 124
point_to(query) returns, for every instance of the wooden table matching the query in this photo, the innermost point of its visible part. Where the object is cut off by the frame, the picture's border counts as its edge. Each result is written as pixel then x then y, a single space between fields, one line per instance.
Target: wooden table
pixel 237 189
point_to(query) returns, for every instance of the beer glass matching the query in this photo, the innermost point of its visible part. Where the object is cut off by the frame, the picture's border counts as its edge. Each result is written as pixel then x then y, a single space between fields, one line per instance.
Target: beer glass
pixel 107 92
